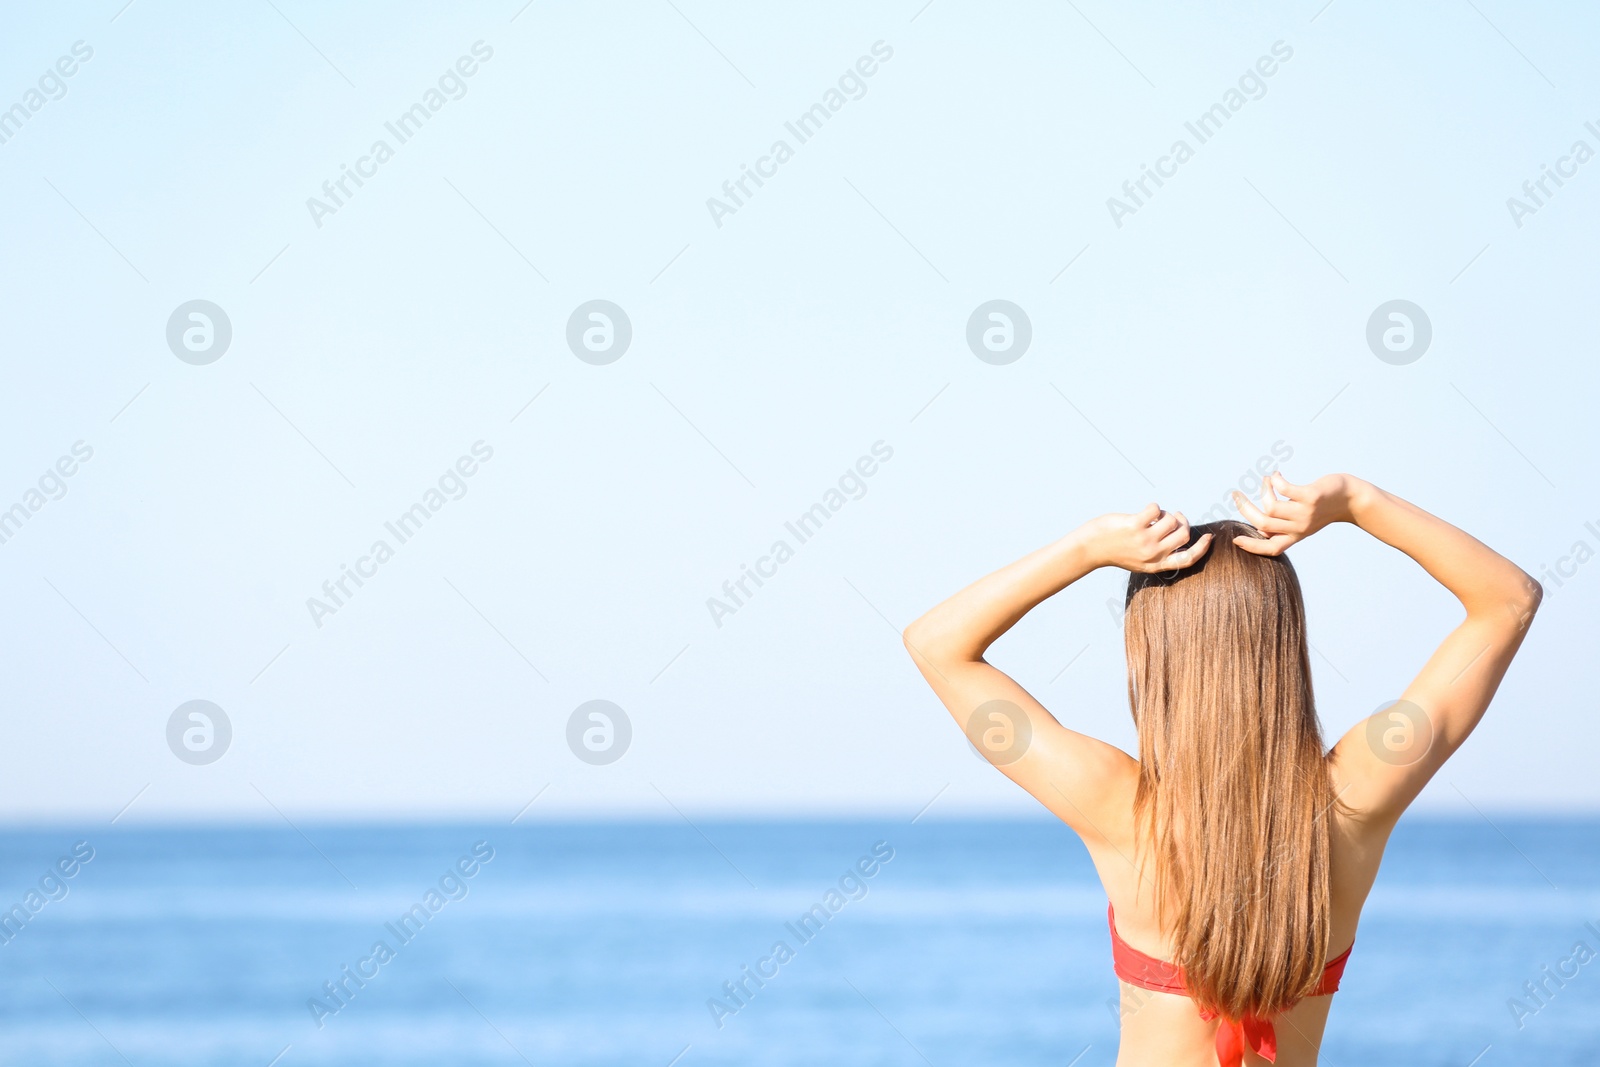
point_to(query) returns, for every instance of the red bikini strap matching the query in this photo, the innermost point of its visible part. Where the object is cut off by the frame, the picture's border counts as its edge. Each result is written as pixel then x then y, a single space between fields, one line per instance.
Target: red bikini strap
pixel 1333 972
pixel 1138 969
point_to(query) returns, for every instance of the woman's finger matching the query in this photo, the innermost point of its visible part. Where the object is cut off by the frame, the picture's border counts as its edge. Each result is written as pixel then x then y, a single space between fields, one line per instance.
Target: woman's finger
pixel 1165 525
pixel 1175 540
pixel 1289 516
pixel 1269 499
pixel 1285 487
pixel 1264 546
pixel 1254 515
pixel 1188 556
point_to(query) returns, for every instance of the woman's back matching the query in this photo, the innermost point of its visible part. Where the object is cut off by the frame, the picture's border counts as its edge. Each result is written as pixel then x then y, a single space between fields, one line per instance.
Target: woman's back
pixel 1166 1028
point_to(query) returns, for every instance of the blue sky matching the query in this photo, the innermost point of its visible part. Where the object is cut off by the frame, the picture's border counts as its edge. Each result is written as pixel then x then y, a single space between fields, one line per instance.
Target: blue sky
pixel 375 347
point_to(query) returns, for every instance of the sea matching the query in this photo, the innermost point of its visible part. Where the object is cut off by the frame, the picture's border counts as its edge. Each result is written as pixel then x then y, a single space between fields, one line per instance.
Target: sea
pixel 681 944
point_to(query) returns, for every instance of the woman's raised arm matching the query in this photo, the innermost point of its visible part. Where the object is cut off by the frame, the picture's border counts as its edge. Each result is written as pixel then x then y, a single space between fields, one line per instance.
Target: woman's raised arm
pixel 1077 777
pixel 1383 762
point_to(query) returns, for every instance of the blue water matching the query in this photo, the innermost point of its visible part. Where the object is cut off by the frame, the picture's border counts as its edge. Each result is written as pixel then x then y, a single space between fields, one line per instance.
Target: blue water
pixel 977 943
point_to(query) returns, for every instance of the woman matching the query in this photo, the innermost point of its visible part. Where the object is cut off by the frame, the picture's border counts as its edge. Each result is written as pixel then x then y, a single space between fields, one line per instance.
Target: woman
pixel 1236 851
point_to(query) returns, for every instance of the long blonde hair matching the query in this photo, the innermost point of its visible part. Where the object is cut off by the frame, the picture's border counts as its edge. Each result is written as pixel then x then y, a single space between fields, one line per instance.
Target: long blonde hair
pixel 1234 790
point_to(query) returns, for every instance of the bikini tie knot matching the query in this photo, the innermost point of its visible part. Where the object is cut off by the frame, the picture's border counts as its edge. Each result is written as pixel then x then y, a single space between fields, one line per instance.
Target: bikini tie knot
pixel 1233 1036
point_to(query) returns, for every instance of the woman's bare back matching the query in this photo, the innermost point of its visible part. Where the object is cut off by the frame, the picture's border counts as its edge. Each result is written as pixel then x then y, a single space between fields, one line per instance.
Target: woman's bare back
pixel 1165 1028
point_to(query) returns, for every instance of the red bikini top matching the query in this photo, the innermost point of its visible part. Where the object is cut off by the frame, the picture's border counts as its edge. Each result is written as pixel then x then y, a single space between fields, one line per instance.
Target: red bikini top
pixel 1147 972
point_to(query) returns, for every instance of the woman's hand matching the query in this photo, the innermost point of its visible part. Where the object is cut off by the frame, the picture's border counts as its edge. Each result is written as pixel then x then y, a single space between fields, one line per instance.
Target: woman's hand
pixel 1149 542
pixel 1308 509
